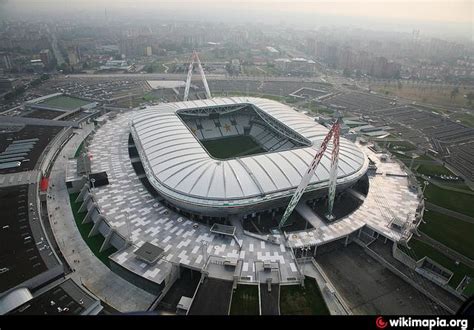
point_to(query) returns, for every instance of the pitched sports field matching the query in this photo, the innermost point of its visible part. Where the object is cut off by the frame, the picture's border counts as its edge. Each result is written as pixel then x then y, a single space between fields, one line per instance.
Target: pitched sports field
pixel 64 102
pixel 231 147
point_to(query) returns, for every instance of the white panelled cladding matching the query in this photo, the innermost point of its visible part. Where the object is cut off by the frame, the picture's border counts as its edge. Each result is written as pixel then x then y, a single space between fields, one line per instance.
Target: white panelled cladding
pixel 182 171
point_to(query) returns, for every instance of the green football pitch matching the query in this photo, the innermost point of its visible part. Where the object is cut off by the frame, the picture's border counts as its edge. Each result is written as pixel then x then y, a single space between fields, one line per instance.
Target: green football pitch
pixel 64 102
pixel 230 147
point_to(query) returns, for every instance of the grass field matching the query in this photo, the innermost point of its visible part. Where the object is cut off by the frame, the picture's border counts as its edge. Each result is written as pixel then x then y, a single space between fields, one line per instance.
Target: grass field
pixel 79 150
pixel 400 146
pixel 420 249
pixel 295 300
pixel 453 200
pixel 469 290
pixel 245 300
pixel 230 147
pixel 464 118
pixel 149 97
pixel 64 102
pixel 454 233
pixel 459 184
pixel 94 242
pixel 433 170
pixel 428 94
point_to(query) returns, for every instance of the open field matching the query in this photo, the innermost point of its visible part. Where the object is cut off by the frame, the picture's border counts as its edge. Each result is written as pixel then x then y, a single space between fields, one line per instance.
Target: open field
pixel 79 150
pixel 65 102
pixel 433 170
pixel 245 300
pixel 453 200
pixel 230 147
pixel 464 118
pixel 295 300
pixel 459 184
pixel 435 94
pixel 420 249
pixel 454 233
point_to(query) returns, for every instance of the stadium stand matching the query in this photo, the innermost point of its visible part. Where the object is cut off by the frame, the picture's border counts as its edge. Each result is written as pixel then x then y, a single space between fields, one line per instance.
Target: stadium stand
pixel 242 122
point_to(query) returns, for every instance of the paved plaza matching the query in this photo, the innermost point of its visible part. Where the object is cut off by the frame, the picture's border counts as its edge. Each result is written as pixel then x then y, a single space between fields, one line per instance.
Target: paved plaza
pixel 89 271
pixel 389 197
pixel 139 217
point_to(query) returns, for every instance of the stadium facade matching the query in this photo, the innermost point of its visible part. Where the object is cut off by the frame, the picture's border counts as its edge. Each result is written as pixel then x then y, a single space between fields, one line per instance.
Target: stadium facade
pixel 239 155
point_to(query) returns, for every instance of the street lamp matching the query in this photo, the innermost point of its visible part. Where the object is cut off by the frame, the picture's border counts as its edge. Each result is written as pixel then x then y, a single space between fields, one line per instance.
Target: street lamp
pixel 425 183
pixel 304 251
pixel 93 181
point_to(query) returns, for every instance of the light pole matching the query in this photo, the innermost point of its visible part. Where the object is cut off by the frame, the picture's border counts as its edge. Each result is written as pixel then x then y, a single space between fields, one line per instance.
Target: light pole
pixel 93 181
pixel 304 251
pixel 425 183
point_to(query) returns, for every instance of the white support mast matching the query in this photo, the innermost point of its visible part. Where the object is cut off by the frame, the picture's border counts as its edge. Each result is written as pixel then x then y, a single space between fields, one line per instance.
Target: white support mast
pixel 195 59
pixel 333 133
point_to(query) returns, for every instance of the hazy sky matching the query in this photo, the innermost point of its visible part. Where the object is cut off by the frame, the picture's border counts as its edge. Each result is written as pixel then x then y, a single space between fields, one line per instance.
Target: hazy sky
pixel 443 13
pixel 430 10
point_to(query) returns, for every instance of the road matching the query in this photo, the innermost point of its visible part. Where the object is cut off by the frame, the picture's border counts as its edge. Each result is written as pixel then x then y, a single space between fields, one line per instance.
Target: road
pixel 182 76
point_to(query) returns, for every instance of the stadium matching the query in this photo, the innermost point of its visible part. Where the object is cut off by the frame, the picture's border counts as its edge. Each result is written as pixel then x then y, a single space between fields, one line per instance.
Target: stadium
pixel 226 156
pixel 177 206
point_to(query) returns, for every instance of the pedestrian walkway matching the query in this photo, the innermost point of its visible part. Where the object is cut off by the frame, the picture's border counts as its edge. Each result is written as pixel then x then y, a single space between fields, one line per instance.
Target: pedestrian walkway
pixel 89 270
pixel 308 214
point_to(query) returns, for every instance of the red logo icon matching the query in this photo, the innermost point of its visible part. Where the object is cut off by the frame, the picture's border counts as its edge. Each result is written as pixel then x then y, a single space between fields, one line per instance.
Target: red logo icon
pixel 381 323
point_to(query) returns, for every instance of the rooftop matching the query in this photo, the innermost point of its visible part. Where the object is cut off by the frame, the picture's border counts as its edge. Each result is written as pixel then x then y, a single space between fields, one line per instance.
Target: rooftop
pixel 177 163
pixel 149 252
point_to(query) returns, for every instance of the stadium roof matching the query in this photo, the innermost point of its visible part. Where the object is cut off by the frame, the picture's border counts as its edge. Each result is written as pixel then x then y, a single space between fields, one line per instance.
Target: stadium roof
pixel 177 164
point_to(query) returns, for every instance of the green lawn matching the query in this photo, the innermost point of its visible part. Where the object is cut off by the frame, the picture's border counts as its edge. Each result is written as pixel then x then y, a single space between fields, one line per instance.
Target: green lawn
pixel 454 233
pixel 295 300
pixel 79 150
pixel 465 118
pixel 317 109
pixel 245 300
pixel 459 184
pixel 453 200
pixel 420 249
pixel 149 97
pixel 424 158
pixel 400 146
pixel 433 169
pixel 94 242
pixel 65 102
pixel 469 290
pixel 234 146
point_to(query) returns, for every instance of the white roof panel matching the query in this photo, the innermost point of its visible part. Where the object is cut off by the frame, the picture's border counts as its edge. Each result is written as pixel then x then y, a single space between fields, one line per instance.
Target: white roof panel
pixel 178 161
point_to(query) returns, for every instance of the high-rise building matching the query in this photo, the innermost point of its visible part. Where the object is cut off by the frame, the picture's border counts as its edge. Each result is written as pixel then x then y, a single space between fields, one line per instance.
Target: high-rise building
pixel 45 56
pixel 6 61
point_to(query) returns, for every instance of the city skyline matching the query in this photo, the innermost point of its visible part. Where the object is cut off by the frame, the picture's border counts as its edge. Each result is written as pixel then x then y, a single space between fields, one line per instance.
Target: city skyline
pixel 442 17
